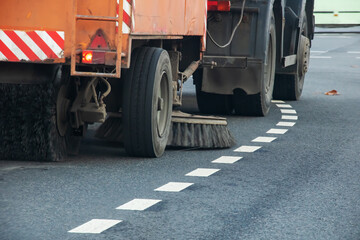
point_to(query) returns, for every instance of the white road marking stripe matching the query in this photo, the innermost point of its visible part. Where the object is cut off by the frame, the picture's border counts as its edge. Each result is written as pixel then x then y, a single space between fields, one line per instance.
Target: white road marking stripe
pixel 357 57
pixel 288 111
pixel 95 226
pixel 50 42
pixel 138 204
pixel 283 105
pixel 247 149
pixel 202 172
pixel 2 57
pixel 330 36
pixel 353 52
pixel 314 51
pixel 277 131
pixel 13 47
pixel 227 159
pixel 321 57
pixel 31 44
pixel 264 139
pixel 285 124
pixel 277 101
pixel 174 187
pixel 289 117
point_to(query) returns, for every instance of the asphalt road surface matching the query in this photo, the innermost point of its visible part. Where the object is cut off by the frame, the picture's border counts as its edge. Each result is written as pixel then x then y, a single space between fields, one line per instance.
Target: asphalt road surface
pixel 302 183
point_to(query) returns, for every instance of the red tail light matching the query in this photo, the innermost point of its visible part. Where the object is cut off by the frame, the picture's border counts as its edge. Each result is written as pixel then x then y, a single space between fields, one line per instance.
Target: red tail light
pixel 223 6
pixel 87 56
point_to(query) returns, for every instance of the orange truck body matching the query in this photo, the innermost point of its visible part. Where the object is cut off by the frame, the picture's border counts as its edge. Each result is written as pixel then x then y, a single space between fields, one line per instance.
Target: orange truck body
pixel 47 31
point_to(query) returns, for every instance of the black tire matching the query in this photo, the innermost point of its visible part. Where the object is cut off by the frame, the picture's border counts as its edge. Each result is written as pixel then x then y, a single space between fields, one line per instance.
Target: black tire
pixel 259 104
pixel 147 103
pixel 211 103
pixel 28 122
pixel 289 86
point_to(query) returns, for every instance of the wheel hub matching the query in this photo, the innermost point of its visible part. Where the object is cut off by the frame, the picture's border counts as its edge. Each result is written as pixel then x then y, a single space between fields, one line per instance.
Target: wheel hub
pixel 62 107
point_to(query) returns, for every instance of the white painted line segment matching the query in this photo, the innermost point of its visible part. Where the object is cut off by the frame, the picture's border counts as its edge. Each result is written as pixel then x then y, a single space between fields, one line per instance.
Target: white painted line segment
pixel 277 131
pixel 174 187
pixel 95 226
pixel 138 204
pixel 288 111
pixel 277 101
pixel 283 105
pixel 354 52
pixel 227 159
pixel 289 117
pixel 248 149
pixel 264 139
pixel 321 57
pixel 285 124
pixel 357 57
pixel 202 172
pixel 314 51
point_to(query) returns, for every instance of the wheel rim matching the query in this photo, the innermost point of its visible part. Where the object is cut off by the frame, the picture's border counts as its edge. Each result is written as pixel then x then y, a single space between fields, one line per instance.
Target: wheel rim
pixel 269 71
pixel 162 105
pixel 303 57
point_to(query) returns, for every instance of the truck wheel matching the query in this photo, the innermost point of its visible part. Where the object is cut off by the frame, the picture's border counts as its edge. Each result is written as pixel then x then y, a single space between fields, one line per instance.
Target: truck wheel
pixel 28 121
pixel 259 104
pixel 290 86
pixel 147 103
pixel 211 103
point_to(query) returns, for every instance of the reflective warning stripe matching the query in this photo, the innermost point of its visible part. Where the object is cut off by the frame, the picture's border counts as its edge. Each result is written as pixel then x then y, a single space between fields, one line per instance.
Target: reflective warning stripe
pixel 126 23
pixel 31 45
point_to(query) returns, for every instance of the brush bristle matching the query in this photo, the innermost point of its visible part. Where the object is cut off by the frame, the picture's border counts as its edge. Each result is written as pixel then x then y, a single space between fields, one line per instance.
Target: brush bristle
pixel 111 130
pixel 200 136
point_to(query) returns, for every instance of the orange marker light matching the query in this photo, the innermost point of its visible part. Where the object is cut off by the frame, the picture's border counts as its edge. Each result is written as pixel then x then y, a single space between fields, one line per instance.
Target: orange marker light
pixel 87 56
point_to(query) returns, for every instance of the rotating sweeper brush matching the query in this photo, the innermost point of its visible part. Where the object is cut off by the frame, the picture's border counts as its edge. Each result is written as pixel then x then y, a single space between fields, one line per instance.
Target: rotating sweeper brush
pixel 187 130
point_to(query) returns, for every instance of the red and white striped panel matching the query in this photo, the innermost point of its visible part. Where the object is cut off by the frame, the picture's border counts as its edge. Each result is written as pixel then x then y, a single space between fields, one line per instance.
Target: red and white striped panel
pixel 126 23
pixel 34 46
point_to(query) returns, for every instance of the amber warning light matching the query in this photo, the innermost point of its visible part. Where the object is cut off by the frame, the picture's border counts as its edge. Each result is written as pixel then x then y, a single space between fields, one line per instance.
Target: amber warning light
pixel 223 6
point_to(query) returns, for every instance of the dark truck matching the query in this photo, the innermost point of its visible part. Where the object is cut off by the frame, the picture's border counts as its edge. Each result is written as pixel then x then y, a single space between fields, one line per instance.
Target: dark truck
pixel 256 50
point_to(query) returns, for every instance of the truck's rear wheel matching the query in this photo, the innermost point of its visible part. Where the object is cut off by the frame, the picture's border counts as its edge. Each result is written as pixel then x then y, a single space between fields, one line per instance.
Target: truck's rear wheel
pixel 290 86
pixel 147 103
pixel 259 104
pixel 211 103
pixel 28 121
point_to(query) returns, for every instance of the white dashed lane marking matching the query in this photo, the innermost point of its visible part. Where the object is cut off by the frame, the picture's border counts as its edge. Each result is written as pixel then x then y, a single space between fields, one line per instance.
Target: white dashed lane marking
pixel 285 124
pixel 174 187
pixel 227 159
pixel 284 105
pixel 248 149
pixel 321 57
pixel 289 117
pixel 277 101
pixel 138 204
pixel 264 139
pixel 202 172
pixel 320 52
pixel 95 226
pixel 288 111
pixel 277 131
pixel 354 52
